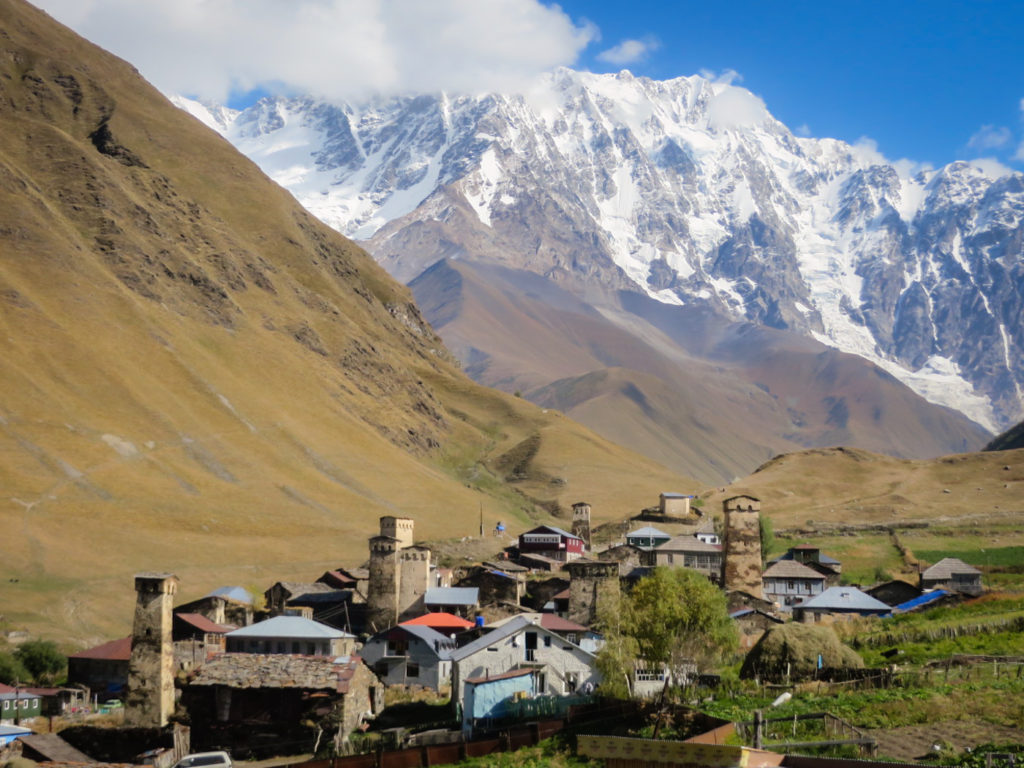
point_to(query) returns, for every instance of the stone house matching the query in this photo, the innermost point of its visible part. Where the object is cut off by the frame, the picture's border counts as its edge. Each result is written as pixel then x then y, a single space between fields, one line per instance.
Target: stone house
pixel 196 639
pixel 551 542
pixel 461 601
pixel 284 694
pixel 102 669
pixel 495 585
pixel 224 605
pixel 409 654
pixel 560 666
pixel 954 575
pixel 290 635
pixel 321 601
pixel 355 579
pixel 894 592
pixel 688 552
pixel 627 556
pixel 751 623
pixel 788 582
pixel 812 556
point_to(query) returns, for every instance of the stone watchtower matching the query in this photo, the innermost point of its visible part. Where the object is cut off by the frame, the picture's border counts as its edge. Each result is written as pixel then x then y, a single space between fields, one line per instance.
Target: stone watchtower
pixel 150 695
pixel 399 574
pixel 591 584
pixel 741 560
pixel 581 522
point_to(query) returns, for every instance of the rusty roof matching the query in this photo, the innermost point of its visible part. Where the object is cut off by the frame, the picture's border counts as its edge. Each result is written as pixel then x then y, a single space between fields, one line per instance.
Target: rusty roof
pixel 115 650
pixel 203 624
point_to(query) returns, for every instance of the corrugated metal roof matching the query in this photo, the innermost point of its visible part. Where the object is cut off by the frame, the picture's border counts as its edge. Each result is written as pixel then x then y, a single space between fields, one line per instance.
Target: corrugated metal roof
pixel 115 650
pixel 791 569
pixel 947 566
pixel 923 599
pixel 440 644
pixel 844 599
pixel 439 619
pixel 203 624
pixel 647 532
pixel 452 596
pixel 559 531
pixel 290 627
pixel 688 544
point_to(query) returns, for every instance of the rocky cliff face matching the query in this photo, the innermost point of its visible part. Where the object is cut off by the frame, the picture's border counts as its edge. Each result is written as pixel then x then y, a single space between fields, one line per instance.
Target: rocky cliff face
pixel 687 191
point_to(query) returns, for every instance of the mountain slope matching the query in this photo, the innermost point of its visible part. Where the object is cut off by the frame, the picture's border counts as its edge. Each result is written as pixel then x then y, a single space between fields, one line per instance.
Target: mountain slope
pixel 686 191
pixel 679 384
pixel 198 376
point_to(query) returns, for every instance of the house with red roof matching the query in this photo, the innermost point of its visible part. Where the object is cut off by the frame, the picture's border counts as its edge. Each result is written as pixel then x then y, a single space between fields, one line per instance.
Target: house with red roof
pixel 448 624
pixel 102 669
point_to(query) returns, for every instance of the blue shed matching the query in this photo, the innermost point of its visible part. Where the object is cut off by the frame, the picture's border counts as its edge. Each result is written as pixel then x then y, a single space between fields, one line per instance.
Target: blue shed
pixel 488 697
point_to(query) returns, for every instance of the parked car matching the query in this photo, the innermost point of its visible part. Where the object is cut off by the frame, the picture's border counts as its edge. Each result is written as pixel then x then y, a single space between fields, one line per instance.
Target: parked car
pixel 205 760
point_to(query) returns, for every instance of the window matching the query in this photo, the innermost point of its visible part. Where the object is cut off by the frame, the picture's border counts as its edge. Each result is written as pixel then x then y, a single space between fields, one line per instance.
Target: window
pixel 412 669
pixel 571 637
pixel 7 705
pixel 547 641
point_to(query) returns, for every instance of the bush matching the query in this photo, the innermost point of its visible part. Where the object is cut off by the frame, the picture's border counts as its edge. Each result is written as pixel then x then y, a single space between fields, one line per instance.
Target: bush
pixel 42 660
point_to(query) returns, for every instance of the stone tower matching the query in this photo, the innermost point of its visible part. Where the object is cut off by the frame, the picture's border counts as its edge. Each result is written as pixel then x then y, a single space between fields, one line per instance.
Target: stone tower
pixel 413 580
pixel 399 574
pixel 741 561
pixel 399 528
pixel 150 694
pixel 591 583
pixel 581 522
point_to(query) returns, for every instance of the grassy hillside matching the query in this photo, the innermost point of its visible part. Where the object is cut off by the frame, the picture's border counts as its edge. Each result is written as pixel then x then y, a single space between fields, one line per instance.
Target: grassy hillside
pixel 197 376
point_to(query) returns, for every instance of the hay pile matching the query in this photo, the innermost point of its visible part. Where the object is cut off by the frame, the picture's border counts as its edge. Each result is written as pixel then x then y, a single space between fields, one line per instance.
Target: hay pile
pixel 795 647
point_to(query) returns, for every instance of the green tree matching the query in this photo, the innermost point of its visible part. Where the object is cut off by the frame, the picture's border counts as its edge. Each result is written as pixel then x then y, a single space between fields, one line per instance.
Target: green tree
pixel 764 524
pixel 673 617
pixel 11 670
pixel 42 660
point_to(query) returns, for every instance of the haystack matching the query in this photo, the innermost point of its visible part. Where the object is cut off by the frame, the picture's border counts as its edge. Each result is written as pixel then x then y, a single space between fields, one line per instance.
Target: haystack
pixel 794 648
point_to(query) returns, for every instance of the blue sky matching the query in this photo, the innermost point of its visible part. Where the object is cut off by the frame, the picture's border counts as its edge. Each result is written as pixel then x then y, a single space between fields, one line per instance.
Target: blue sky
pixel 922 79
pixel 931 81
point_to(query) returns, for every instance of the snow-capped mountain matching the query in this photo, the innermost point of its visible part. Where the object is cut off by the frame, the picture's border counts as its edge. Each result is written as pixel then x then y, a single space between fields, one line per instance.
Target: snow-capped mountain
pixel 688 191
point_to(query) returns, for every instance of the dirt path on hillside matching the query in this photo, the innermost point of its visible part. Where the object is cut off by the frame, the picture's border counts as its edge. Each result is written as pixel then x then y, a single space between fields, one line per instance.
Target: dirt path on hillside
pixel 913 742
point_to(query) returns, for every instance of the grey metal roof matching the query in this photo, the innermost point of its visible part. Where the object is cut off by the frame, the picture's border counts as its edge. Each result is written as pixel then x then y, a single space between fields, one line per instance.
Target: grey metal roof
pixel 559 531
pixel 947 566
pixel 509 628
pixel 791 569
pixel 844 599
pixel 452 596
pixel 237 594
pixel 290 627
pixel 688 544
pixel 440 644
pixel 822 557
pixel 648 531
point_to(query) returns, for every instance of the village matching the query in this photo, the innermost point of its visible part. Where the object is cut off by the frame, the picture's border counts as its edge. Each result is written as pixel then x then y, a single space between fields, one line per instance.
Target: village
pixel 309 666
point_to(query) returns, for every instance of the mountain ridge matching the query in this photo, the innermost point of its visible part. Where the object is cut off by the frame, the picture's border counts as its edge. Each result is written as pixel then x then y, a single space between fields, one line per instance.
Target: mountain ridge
pixel 689 192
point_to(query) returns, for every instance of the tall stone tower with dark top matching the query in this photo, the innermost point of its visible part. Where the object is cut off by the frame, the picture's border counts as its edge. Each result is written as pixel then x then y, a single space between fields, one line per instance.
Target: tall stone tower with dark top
pixel 399 574
pixel 581 522
pixel 592 583
pixel 150 695
pixel 741 561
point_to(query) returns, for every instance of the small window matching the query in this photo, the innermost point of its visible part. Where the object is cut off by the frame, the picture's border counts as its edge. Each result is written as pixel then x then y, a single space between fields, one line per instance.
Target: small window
pixel 492 649
pixel 412 669
pixel 547 641
pixel 7 705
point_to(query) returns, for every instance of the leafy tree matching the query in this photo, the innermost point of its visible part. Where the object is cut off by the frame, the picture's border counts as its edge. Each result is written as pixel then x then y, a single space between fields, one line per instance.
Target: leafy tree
pixel 764 524
pixel 673 617
pixel 42 660
pixel 11 670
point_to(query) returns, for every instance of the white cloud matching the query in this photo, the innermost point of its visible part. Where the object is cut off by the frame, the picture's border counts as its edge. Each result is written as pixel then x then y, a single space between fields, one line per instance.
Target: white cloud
pixel 803 130
pixel 865 150
pixel 735 107
pixel 333 48
pixel 990 137
pixel 728 77
pixel 629 51
pixel 990 167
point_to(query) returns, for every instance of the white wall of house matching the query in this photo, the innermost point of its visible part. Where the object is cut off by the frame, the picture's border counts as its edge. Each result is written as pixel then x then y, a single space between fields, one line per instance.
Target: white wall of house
pixel 565 666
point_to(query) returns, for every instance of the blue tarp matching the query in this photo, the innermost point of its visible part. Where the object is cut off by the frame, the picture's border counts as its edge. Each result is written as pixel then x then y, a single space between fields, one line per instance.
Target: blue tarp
pixel 923 599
